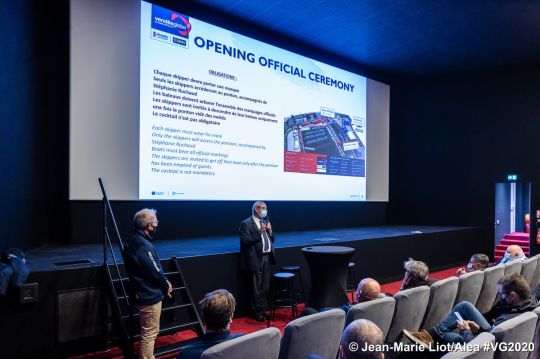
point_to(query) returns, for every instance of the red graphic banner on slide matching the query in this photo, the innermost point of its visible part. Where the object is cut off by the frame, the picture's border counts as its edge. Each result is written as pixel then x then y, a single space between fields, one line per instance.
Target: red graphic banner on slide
pixel 301 162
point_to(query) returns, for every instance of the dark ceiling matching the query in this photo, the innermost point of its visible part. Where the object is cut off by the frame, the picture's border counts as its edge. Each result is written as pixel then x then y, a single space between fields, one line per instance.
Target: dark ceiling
pixel 404 37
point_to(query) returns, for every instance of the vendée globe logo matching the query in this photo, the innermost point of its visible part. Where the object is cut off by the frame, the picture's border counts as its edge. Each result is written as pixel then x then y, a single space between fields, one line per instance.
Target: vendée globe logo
pixel 170 26
pixel 177 22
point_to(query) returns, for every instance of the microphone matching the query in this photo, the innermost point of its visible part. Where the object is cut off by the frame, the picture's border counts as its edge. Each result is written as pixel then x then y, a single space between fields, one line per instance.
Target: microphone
pixel 265 221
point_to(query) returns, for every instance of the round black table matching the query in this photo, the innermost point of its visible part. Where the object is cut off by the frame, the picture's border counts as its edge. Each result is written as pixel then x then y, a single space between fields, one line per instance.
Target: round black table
pixel 328 266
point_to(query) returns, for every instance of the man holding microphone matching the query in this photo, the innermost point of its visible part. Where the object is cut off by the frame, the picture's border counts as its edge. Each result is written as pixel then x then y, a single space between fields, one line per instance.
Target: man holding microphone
pixel 256 255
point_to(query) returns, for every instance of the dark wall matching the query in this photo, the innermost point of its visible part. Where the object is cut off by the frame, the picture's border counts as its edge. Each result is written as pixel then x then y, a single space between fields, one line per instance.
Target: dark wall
pixel 452 138
pixel 34 121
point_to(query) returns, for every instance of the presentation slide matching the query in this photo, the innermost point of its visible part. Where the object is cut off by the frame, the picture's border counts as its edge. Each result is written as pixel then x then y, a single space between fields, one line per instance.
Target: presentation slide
pixel 227 117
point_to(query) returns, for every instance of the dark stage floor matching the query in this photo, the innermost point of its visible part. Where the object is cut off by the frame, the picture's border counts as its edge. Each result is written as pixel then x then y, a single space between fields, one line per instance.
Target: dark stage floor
pixel 51 257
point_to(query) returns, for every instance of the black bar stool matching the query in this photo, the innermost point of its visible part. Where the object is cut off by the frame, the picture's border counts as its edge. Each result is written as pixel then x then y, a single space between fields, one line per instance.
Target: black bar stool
pixel 296 270
pixel 282 294
pixel 351 281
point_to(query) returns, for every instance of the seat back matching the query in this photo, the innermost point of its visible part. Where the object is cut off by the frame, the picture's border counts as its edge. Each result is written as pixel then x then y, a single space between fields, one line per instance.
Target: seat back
pixel 441 300
pixel 488 294
pixel 512 267
pixel 470 285
pixel 519 329
pixel 304 336
pixel 536 277
pixel 411 305
pixel 264 342
pixel 379 311
pixel 485 341
pixel 528 268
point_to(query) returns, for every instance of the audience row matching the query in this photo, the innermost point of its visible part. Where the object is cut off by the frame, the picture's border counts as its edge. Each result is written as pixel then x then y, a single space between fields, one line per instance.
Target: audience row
pixel 362 338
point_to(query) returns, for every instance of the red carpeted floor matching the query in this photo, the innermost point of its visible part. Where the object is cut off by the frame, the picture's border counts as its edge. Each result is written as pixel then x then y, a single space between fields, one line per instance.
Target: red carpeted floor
pixel 244 325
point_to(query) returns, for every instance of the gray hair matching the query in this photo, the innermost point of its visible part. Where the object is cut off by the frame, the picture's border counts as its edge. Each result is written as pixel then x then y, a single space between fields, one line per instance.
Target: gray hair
pixel 255 205
pixel 482 259
pixel 418 268
pixel 143 217
pixel 362 332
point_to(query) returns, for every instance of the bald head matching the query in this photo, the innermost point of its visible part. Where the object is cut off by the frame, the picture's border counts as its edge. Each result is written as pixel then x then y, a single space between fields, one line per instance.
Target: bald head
pixel 368 289
pixel 514 251
pixel 365 334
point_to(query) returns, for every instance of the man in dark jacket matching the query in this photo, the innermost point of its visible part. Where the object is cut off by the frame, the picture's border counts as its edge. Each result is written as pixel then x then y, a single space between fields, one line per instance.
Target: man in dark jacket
pixel 416 275
pixel 147 279
pixel 515 298
pixel 217 310
pixel 256 255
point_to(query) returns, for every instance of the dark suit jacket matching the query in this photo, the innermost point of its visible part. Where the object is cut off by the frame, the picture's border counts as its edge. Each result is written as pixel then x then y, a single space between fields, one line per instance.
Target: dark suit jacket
pixel 251 245
pixel 194 350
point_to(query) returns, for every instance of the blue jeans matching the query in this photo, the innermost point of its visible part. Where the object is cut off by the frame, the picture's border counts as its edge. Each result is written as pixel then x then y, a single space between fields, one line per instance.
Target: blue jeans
pixel 445 329
pixel 537 292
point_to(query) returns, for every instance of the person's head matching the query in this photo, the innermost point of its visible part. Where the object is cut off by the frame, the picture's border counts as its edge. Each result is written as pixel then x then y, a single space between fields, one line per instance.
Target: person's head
pixel 513 289
pixel 259 209
pixel 368 289
pixel 512 252
pixel 362 332
pixel 416 274
pixel 217 309
pixel 146 221
pixel 478 262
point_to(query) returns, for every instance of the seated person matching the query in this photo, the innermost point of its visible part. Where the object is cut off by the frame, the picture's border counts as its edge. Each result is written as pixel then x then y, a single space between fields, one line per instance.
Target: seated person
pixel 513 253
pixel 368 289
pixel 363 332
pixel 416 274
pixel 478 261
pixel 515 298
pixel 217 309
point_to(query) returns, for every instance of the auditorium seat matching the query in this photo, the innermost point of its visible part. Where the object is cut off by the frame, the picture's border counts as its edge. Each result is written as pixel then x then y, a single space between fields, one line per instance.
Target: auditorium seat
pixel 519 329
pixel 441 300
pixel 379 311
pixel 535 281
pixel 528 267
pixel 482 340
pixel 411 305
pixel 488 294
pixel 536 339
pixel 537 312
pixel 264 342
pixel 512 267
pixel 318 333
pixel 470 285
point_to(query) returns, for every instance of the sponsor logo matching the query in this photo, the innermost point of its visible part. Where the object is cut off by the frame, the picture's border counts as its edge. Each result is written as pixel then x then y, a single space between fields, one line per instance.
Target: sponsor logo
pixel 160 36
pixel 170 22
pixel 179 41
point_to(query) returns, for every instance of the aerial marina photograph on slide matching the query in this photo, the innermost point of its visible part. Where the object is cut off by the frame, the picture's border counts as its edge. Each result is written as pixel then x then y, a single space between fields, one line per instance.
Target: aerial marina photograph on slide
pixel 323 142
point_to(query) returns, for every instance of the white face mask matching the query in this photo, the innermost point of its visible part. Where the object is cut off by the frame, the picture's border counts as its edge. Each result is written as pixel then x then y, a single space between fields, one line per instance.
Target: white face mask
pixel 263 213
